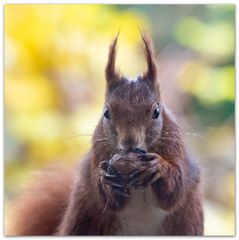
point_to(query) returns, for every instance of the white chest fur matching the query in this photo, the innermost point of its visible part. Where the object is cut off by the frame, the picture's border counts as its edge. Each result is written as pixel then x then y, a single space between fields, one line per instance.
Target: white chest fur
pixel 141 215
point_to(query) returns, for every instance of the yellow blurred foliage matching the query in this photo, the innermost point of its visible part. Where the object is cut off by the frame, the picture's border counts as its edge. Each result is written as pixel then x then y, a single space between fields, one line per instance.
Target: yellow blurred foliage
pixel 213 39
pixel 210 85
pixel 55 57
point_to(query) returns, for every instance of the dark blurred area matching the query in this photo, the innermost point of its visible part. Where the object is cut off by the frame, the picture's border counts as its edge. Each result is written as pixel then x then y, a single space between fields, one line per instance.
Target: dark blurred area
pixel 55 57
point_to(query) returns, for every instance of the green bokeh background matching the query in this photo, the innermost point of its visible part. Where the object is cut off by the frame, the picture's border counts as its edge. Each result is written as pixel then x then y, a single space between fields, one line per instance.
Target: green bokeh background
pixel 54 86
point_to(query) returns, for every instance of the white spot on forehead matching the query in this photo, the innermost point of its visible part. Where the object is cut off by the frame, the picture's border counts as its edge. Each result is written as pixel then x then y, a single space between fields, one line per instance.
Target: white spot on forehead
pixel 133 79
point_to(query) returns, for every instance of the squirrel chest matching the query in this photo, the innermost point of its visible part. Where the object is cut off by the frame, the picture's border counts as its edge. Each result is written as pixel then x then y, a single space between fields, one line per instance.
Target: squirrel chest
pixel 141 215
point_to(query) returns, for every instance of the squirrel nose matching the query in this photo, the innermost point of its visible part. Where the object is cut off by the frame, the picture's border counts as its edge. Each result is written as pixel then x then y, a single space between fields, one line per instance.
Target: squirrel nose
pixel 130 144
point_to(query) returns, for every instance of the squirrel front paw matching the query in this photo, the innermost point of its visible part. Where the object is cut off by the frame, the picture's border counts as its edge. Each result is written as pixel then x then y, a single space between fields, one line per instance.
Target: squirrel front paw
pixel 110 177
pixel 125 171
pixel 147 172
pixel 112 187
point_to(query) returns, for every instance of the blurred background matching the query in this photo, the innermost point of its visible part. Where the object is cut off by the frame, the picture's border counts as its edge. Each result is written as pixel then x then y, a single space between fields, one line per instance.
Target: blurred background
pixel 55 57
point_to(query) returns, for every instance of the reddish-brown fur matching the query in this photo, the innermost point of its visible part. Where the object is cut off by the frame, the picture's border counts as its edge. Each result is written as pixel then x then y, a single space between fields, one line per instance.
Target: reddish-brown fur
pixel 93 206
pixel 40 208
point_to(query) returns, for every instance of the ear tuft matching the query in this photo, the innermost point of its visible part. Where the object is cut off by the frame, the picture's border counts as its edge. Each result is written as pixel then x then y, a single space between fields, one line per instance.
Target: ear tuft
pixel 110 72
pixel 151 74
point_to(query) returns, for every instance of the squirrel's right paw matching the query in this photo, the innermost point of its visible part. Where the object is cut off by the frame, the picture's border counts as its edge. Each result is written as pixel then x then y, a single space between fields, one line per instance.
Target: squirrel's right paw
pixel 109 177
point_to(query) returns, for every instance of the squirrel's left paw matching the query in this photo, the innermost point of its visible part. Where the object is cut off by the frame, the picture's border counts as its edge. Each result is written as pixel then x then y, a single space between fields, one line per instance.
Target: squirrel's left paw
pixel 148 172
pixel 110 177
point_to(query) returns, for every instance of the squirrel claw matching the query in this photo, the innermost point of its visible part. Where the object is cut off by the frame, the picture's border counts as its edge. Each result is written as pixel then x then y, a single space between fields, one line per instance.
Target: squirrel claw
pixel 111 182
pixel 119 192
pixel 103 165
pixel 147 180
pixel 143 178
pixel 109 176
pixel 134 174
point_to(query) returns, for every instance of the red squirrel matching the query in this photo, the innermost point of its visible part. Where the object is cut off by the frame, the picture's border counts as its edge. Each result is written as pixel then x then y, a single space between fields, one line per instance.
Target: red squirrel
pixel 137 179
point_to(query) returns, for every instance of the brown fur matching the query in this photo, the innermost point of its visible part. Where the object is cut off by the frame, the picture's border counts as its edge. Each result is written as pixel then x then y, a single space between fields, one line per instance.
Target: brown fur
pixel 95 203
pixel 39 209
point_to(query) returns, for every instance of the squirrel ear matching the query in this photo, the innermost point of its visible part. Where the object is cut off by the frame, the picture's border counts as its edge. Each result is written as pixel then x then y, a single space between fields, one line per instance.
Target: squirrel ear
pixel 152 73
pixel 110 72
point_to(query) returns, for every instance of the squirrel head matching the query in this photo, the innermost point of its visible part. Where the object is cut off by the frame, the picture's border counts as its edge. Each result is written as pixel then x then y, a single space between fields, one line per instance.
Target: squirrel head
pixel 132 116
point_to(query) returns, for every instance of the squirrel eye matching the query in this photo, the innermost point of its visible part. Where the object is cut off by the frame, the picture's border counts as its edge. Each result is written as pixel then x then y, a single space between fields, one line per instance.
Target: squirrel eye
pixel 156 112
pixel 107 114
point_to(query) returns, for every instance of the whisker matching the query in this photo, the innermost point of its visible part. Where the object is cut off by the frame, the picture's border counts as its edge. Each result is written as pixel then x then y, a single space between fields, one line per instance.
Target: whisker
pixel 74 136
pixel 102 139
